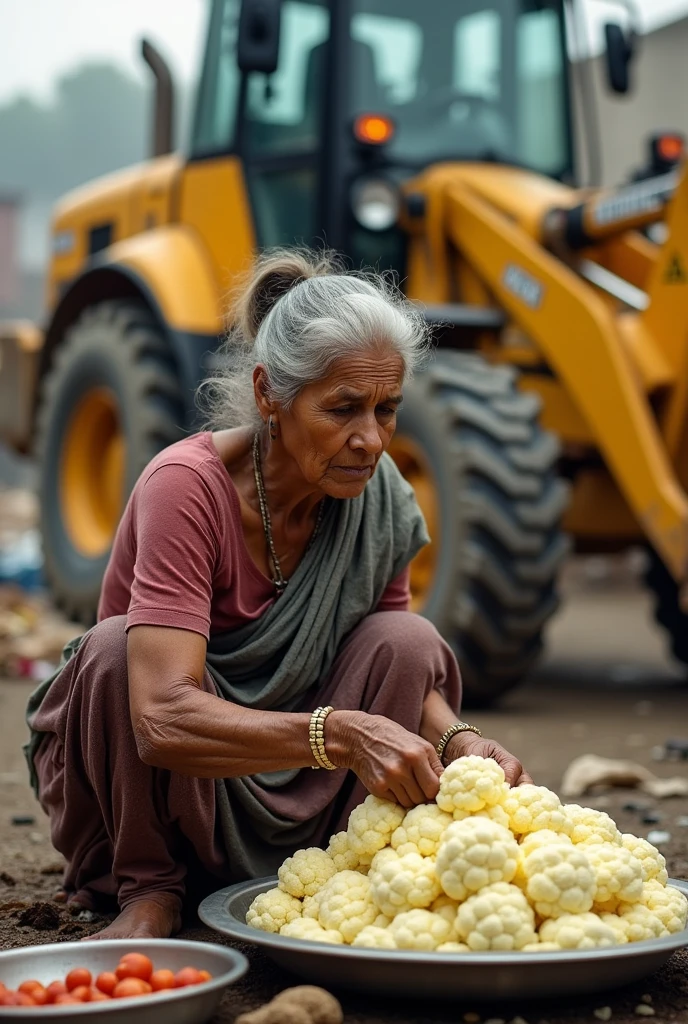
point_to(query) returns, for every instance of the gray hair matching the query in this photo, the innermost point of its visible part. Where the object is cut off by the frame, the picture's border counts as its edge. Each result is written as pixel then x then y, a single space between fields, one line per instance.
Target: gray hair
pixel 298 314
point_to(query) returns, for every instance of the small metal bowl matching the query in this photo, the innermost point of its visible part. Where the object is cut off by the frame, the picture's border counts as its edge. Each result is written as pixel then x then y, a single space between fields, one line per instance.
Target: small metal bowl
pixel 487 976
pixel 192 1005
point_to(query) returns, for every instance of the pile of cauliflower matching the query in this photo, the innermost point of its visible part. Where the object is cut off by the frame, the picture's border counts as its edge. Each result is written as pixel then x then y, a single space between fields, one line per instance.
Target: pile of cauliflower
pixel 484 868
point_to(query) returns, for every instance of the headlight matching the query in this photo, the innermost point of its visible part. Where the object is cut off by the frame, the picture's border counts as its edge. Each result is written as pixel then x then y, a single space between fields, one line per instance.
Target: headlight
pixel 375 203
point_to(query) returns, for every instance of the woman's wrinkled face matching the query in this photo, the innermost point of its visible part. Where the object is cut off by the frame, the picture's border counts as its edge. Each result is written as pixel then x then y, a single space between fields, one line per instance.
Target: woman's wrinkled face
pixel 337 428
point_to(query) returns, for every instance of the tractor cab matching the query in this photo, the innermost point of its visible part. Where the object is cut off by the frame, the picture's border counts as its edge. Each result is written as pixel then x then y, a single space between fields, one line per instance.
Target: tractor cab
pixel 340 102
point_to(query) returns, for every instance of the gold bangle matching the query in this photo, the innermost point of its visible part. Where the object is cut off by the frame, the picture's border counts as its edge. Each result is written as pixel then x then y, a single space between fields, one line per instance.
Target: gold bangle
pixel 453 730
pixel 316 737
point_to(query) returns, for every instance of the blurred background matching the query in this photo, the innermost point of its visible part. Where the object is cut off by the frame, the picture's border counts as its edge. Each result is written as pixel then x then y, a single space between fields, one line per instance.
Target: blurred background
pixel 75 103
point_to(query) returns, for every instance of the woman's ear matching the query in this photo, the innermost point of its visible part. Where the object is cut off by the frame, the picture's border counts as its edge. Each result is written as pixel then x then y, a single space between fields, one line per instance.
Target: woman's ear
pixel 261 390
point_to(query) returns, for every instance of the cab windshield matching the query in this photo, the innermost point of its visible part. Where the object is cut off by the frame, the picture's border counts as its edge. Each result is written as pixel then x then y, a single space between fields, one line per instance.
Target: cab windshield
pixel 465 79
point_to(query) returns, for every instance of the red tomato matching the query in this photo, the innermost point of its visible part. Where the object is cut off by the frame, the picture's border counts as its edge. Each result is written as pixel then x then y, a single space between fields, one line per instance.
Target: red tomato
pixel 78 977
pixel 96 996
pixel 204 975
pixel 106 982
pixel 35 990
pixel 18 999
pixel 55 989
pixel 160 980
pixel 66 997
pixel 187 976
pixel 134 965
pixel 131 987
pixel 82 993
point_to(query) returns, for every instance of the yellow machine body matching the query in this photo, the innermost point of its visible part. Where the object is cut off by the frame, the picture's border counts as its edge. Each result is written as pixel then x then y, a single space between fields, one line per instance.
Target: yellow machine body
pixel 612 380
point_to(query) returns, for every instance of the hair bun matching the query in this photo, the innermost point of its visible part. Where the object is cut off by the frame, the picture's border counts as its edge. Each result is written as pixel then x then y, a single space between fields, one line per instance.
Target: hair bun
pixel 276 273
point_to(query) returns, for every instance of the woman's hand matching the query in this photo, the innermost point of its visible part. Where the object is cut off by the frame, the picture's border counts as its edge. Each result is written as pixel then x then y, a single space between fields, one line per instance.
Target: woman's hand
pixel 391 762
pixel 470 743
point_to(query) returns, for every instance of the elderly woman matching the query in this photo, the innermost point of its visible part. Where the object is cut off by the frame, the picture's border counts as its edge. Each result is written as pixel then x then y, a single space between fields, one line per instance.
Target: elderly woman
pixel 259 573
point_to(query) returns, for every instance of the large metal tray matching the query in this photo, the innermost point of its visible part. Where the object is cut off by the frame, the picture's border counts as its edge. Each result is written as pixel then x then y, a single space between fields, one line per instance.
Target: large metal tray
pixel 486 976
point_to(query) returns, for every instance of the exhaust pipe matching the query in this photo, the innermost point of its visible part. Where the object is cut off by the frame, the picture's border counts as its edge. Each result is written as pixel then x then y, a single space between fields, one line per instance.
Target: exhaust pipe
pixel 163 125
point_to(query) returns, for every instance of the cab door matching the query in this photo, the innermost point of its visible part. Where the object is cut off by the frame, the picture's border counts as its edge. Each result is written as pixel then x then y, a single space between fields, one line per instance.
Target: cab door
pixel 282 130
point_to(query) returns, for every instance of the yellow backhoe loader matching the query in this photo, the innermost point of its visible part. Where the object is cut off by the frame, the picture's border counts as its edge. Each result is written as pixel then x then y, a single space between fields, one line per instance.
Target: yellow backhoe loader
pixel 433 138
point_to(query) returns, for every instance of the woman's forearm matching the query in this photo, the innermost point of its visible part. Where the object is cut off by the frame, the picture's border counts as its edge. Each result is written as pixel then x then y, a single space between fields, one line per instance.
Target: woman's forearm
pixel 436 718
pixel 199 734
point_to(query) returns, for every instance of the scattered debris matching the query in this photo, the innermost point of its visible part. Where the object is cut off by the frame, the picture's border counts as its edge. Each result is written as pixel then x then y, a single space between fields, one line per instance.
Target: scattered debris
pixel 677 748
pixel 657 754
pixel 590 771
pixel 70 928
pixel 651 818
pixel 23 819
pixel 305 1003
pixel 658 836
pixel 32 634
pixel 647 998
pixel 56 868
pixel 682 822
pixel 87 916
pixel 41 916
pixel 7 879
pixel 633 806
pixel 36 837
pixel 519 1020
pixel 643 1010
pixel 12 906
pixel 603 1012
pixel 471 1018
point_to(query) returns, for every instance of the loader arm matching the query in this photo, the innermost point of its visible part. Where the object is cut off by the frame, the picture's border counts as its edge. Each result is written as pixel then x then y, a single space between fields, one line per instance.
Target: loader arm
pixel 577 334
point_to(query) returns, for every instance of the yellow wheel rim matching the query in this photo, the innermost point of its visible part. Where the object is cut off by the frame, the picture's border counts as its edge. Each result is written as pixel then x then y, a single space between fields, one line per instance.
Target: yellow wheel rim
pixel 92 473
pixel 414 466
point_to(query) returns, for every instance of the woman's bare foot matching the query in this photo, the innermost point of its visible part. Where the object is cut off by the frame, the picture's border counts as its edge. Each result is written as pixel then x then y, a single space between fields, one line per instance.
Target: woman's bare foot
pixel 152 917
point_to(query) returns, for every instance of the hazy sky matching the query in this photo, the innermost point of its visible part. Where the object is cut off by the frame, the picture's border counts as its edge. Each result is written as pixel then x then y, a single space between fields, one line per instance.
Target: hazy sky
pixel 39 39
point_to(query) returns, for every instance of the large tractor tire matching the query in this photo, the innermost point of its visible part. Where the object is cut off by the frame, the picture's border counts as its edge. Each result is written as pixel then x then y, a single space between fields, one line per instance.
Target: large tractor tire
pixel 668 611
pixel 484 472
pixel 110 402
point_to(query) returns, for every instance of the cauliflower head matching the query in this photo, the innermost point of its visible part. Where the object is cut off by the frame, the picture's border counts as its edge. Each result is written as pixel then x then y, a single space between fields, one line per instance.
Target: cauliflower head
pixel 558 879
pixel 531 808
pixel 311 931
pixel 400 883
pixel 667 903
pixel 497 917
pixel 590 826
pixel 344 904
pixel 635 923
pixel 306 872
pixel 453 947
pixel 651 860
pixel 618 874
pixel 447 908
pixel 421 830
pixel 470 784
pixel 545 837
pixel 419 929
pixel 371 825
pixel 474 853
pixel 372 937
pixel 578 931
pixel 271 910
pixel 343 857
pixel 496 813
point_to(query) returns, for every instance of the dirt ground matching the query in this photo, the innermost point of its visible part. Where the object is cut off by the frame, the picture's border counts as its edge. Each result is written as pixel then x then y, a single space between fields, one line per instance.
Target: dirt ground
pixel 605 687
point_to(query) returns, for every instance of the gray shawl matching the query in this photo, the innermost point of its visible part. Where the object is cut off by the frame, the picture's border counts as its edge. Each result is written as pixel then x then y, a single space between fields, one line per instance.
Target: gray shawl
pixel 271 663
